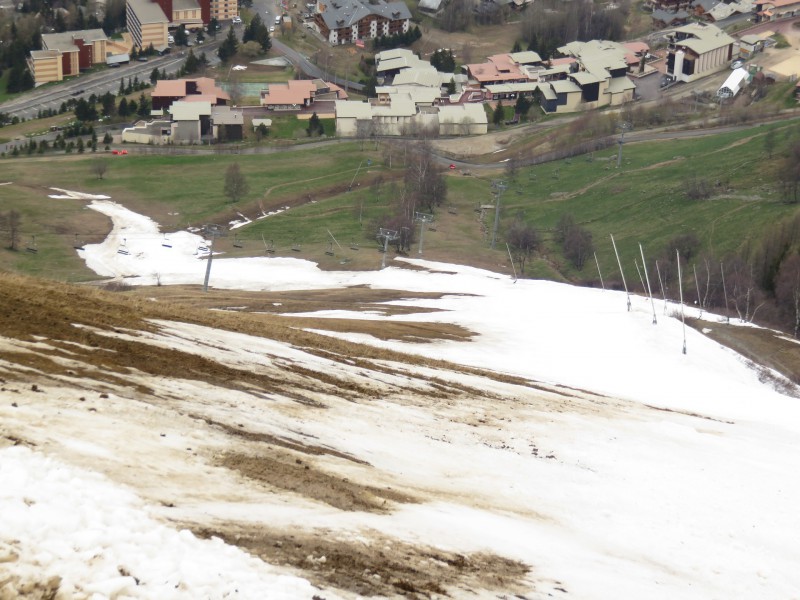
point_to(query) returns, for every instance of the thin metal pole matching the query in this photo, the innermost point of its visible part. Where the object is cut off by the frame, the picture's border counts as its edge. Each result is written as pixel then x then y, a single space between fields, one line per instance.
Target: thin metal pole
pixel 641 279
pixel 496 216
pixel 385 250
pixel 661 283
pixel 697 285
pixel 512 263
pixel 680 287
pixel 649 290
pixel 208 265
pixel 621 272
pixel 421 234
pixel 725 291
pixel 603 285
pixel 619 152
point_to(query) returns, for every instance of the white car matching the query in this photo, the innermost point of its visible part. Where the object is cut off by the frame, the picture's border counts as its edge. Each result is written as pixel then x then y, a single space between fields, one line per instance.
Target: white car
pixel 271 28
pixel 237 20
pixel 738 63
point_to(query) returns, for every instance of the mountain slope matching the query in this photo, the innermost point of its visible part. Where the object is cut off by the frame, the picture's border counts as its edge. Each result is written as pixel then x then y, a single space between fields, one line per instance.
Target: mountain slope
pixel 424 430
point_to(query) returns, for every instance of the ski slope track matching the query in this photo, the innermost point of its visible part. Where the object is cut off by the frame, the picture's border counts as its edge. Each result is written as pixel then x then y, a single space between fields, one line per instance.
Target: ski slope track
pixel 568 449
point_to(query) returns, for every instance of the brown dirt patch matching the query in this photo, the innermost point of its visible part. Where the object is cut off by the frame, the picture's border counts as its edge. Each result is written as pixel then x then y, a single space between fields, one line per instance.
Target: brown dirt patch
pixel 274 440
pixel 762 346
pixel 377 566
pixel 288 471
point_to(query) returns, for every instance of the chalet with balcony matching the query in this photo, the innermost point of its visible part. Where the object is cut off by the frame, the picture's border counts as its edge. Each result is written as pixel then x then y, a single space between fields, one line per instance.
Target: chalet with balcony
pixel 348 21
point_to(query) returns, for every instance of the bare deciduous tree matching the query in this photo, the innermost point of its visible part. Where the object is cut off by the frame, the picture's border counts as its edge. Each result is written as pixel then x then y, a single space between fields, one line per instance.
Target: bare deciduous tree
pixel 99 167
pixel 523 240
pixel 787 289
pixel 10 223
pixel 236 186
pixel 743 291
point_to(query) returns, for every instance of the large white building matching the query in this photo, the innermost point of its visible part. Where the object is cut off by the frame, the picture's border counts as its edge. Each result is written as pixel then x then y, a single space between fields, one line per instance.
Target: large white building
pixel 697 50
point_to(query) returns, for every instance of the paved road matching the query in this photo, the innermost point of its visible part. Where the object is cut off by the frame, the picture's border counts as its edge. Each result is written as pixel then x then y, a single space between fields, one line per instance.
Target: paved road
pixel 269 9
pixel 107 80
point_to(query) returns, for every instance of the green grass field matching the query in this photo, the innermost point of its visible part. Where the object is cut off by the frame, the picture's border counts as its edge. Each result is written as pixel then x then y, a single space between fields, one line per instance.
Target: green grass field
pixel 642 202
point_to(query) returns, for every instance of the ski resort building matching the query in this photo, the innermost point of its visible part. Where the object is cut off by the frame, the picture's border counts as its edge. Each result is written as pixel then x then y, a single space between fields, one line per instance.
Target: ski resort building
pixel 66 54
pixel 697 50
pixel 348 21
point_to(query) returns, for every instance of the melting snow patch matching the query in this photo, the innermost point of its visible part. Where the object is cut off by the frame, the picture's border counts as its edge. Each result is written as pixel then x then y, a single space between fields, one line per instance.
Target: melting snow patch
pixel 61 521
pixel 70 195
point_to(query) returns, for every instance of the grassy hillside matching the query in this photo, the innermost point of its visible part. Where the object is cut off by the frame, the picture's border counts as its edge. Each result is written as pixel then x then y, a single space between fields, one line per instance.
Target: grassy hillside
pixel 643 201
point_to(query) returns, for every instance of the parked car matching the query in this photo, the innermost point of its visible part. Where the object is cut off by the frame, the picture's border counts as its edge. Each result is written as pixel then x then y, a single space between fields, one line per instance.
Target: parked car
pixel 666 80
pixel 271 28
pixel 142 59
pixel 237 20
pixel 737 64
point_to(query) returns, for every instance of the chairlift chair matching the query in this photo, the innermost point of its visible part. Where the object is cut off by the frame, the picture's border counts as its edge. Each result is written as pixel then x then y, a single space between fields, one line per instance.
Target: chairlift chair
pixel 237 243
pixel 31 247
pixel 329 251
pixel 123 249
pixel 295 246
pixel 78 245
pixel 165 242
pixel 354 246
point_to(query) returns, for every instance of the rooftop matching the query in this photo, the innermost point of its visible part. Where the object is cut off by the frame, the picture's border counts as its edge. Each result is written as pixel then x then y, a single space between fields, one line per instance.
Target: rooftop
pixel 65 42
pixel 147 12
pixel 345 13
pixel 702 38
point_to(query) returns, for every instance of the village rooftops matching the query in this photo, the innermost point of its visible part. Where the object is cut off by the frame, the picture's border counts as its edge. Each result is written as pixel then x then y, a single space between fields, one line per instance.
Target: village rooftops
pixel 512 88
pixel 399 58
pixel 420 95
pixel 294 92
pixel 751 39
pixel 177 88
pixel 65 42
pixel 605 53
pixel 706 5
pixel 148 12
pixel 563 86
pixel 297 92
pixel 586 78
pixel 402 105
pixel 498 69
pixel 456 113
pixel 429 77
pixel 189 111
pixel 346 13
pixel 353 110
pixel 38 54
pixel 702 38
pixel 528 57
